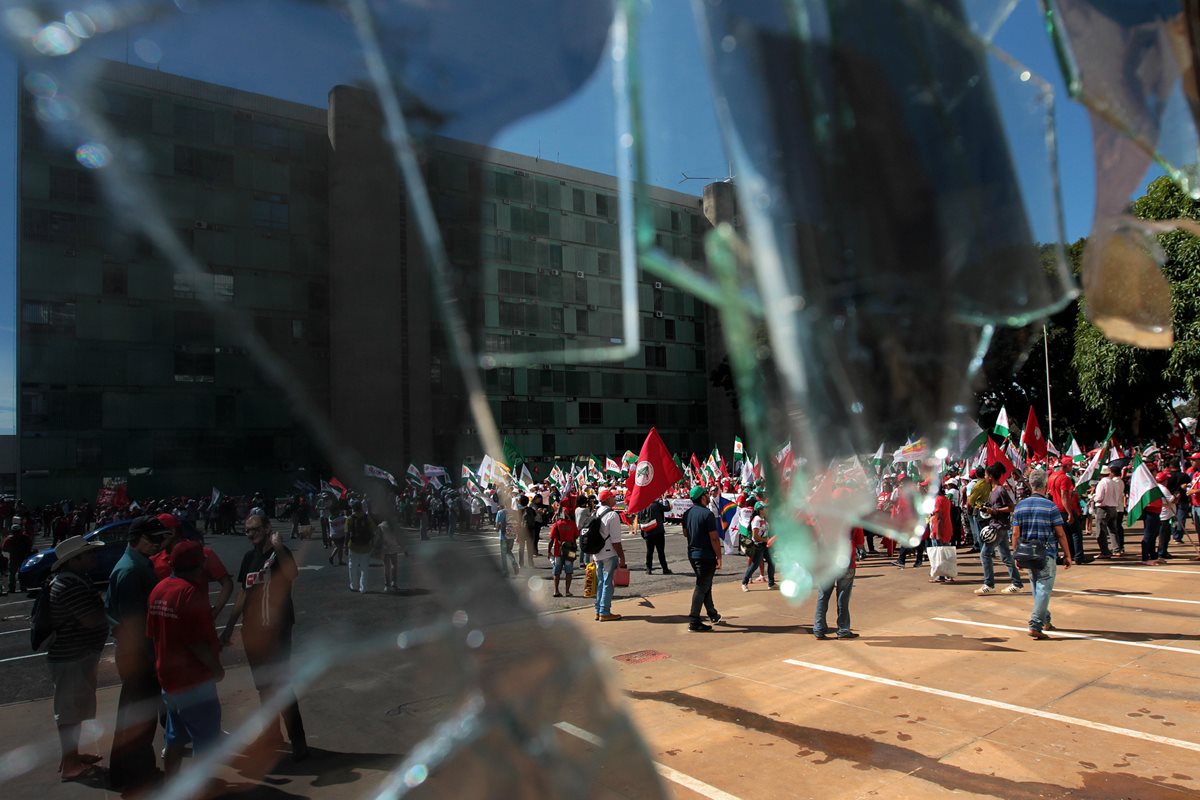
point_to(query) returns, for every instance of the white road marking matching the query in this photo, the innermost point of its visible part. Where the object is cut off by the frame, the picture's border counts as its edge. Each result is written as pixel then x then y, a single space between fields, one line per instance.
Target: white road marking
pixel 42 655
pixel 983 701
pixel 1070 635
pixel 687 781
pixel 1129 596
pixel 1160 569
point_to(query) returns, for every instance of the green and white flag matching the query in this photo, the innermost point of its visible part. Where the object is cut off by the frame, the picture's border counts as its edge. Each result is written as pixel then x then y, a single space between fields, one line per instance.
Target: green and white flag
pixel 877 459
pixel 1092 471
pixel 611 467
pixel 629 459
pixel 1143 490
pixel 977 441
pixel 1001 428
pixel 1075 453
pixel 739 449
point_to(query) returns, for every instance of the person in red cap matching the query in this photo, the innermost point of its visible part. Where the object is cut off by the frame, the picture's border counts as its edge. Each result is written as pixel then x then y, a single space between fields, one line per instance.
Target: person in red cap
pixel 187 655
pixel 1061 491
pixel 214 568
pixel 609 556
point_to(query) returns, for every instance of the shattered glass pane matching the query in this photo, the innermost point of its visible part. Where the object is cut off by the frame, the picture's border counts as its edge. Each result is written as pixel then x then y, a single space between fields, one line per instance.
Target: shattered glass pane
pixel 874 320
pixel 1132 65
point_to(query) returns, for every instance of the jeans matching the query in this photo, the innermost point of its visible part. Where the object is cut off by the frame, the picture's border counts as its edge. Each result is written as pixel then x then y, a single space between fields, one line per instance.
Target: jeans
pixel 358 570
pixel 843 586
pixel 193 715
pixel 1150 536
pixel 506 555
pixel 1042 579
pixel 1165 528
pixel 973 521
pixel 1074 532
pixel 605 568
pixel 985 556
pixel 761 553
pixel 705 569
pixel 1181 517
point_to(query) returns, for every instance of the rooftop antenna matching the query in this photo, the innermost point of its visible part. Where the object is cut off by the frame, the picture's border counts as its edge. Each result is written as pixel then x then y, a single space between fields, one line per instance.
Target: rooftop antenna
pixel 727 179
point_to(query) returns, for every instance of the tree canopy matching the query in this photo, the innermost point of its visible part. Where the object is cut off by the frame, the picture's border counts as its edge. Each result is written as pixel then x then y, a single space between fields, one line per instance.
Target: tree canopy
pixel 1096 382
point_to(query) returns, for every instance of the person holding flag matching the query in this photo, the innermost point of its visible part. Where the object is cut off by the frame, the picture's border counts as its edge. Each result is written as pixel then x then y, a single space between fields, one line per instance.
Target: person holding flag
pixel 1145 503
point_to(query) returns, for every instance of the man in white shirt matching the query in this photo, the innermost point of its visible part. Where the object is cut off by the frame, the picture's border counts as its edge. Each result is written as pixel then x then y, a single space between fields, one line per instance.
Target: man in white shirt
pixel 609 556
pixel 1110 502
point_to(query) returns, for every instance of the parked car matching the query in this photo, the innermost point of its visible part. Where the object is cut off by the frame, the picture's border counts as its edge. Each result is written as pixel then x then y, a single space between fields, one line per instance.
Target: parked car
pixel 36 568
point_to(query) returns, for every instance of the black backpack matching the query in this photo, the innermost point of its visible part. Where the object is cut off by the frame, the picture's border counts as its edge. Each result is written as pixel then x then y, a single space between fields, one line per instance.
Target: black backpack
pixel 360 529
pixel 592 540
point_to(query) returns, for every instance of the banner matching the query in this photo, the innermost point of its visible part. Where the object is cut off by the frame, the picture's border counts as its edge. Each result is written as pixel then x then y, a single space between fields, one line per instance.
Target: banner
pixel 375 472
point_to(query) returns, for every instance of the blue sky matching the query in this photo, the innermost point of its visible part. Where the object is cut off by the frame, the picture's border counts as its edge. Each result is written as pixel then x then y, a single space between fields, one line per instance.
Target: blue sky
pixel 299 50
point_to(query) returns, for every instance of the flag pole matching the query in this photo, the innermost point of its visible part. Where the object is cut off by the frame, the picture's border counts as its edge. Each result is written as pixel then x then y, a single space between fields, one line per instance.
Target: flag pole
pixel 1049 411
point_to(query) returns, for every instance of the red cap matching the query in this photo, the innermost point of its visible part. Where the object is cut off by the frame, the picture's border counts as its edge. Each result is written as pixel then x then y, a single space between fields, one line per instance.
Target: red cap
pixel 169 521
pixel 1066 461
pixel 1162 476
pixel 607 495
pixel 1194 457
pixel 187 555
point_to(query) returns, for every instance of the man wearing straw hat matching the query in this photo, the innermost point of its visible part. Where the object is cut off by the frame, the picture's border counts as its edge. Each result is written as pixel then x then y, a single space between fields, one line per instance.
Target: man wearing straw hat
pixel 80 630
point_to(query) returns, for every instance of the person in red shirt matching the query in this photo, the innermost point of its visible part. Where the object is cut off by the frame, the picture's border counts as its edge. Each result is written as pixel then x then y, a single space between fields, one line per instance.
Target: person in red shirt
pixel 214 568
pixel 841 586
pixel 186 655
pixel 1060 489
pixel 564 534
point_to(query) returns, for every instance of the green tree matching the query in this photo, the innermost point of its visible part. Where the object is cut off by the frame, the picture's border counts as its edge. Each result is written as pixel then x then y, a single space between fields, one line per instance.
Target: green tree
pixel 1130 386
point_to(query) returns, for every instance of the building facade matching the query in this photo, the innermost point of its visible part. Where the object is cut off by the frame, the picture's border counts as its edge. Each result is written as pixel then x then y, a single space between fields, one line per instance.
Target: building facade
pixel 302 228
pixel 123 373
pixel 535 269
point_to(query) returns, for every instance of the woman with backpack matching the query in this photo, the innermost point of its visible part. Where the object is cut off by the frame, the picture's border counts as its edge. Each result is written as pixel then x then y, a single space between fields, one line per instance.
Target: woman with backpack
pixel 563 547
pixel 761 551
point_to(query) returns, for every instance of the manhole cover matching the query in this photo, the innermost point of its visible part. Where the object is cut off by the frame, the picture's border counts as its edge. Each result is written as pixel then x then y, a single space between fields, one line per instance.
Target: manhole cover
pixel 641 656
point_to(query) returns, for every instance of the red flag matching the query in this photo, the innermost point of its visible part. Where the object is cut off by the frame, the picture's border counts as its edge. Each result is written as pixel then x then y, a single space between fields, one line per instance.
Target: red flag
pixel 696 470
pixel 656 472
pixel 335 483
pixel 1032 438
pixel 996 455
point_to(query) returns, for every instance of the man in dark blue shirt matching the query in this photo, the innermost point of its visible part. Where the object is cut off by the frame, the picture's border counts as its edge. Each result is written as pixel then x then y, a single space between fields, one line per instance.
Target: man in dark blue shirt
pixel 704 552
pixel 132 763
pixel 1036 519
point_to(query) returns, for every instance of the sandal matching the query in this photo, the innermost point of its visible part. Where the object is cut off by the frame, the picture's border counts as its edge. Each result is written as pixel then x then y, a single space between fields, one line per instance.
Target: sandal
pixel 557 594
pixel 83 772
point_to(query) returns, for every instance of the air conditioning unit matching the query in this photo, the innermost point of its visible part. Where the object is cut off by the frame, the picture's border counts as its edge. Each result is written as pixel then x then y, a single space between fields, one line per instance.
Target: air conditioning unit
pixel 591 307
pixel 520 173
pixel 579 274
pixel 506 202
pixel 517 332
pixel 658 284
pixel 564 213
pixel 572 399
pixel 201 225
pixel 658 315
pixel 555 272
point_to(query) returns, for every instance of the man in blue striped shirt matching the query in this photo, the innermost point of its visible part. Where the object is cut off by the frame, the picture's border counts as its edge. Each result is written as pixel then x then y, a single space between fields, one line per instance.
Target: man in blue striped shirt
pixel 1036 519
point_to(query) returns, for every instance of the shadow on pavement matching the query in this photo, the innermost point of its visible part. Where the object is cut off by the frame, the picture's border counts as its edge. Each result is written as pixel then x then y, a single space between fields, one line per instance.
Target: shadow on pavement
pixel 941 641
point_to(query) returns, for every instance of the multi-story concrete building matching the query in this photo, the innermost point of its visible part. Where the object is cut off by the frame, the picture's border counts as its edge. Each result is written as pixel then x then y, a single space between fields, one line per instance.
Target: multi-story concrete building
pixel 535 270
pixel 304 230
pixel 121 366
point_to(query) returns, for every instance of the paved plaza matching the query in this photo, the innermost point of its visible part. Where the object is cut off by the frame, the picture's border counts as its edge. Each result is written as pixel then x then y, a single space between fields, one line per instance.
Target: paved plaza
pixel 943 694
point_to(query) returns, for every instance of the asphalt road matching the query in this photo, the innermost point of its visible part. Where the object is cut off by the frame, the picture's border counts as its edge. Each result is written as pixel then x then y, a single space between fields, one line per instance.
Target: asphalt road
pixel 328 611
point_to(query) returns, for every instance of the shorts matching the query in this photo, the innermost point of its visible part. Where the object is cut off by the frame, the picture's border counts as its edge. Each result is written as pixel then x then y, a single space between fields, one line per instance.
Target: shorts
pixel 75 689
pixel 562 565
pixel 193 715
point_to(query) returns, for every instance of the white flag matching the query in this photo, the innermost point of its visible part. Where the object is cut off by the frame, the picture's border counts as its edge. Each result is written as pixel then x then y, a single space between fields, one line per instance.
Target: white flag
pixel 375 472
